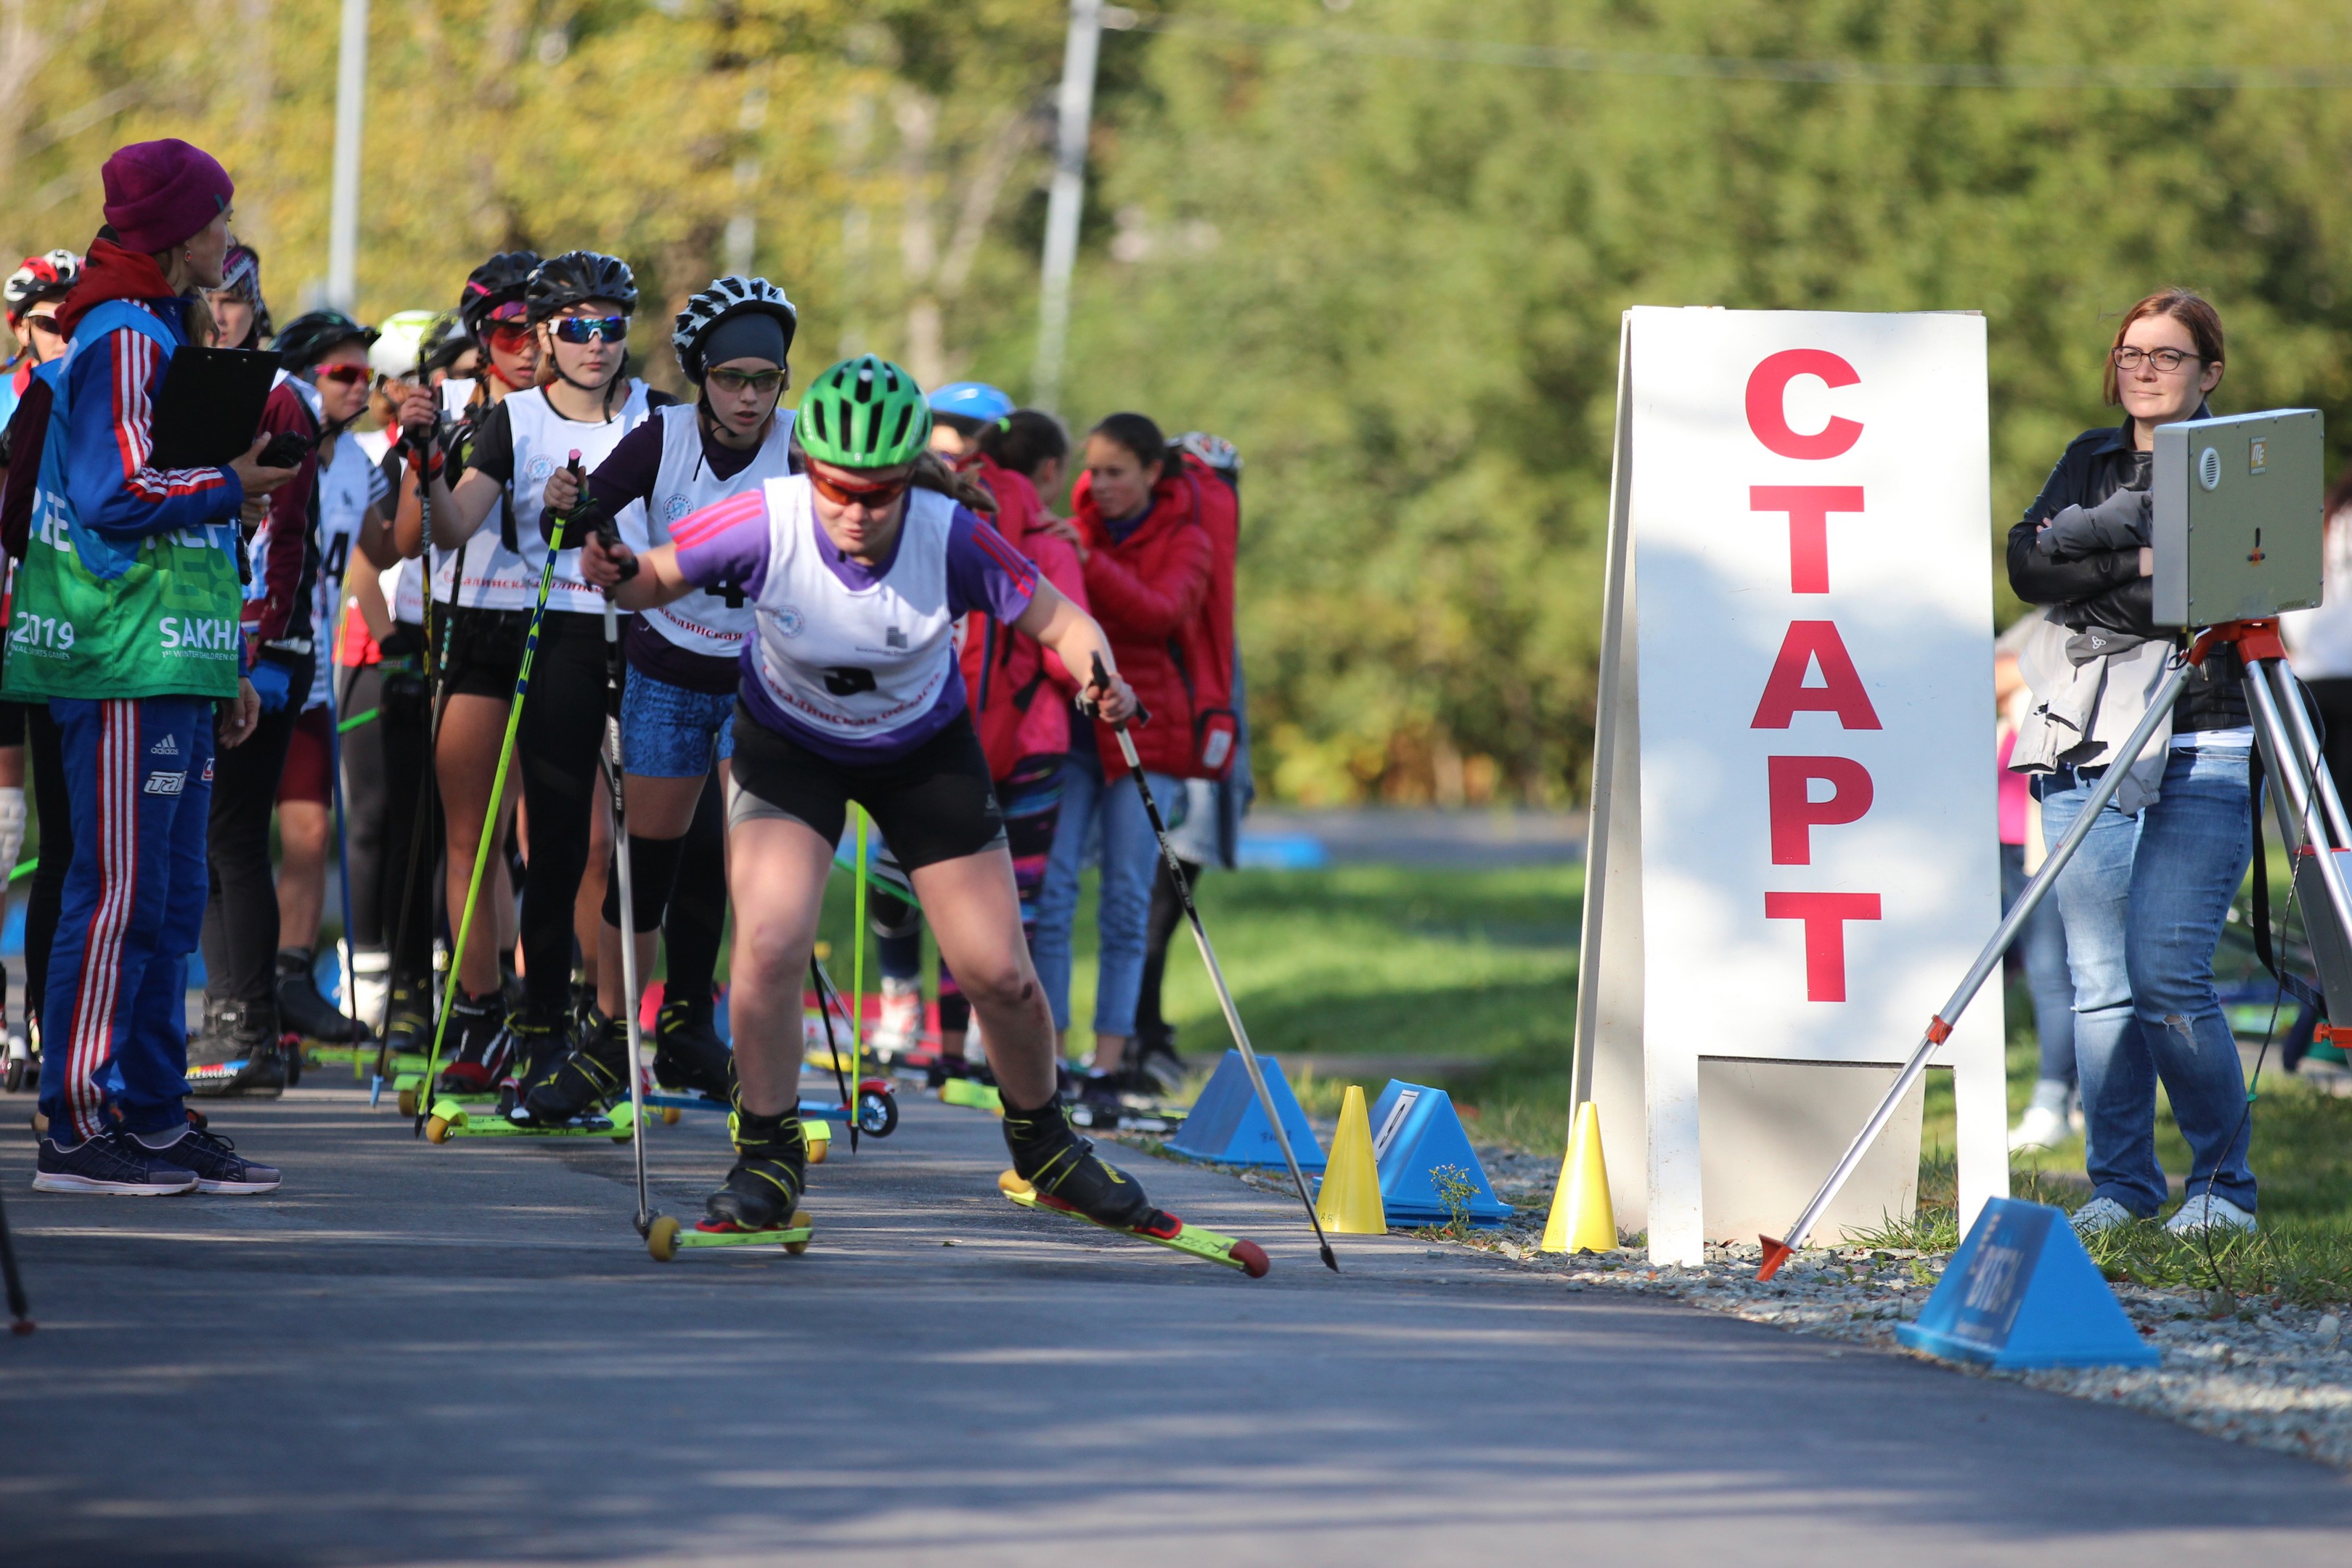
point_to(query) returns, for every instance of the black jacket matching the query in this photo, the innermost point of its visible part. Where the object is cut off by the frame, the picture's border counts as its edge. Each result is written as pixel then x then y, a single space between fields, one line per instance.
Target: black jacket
pixel 2105 588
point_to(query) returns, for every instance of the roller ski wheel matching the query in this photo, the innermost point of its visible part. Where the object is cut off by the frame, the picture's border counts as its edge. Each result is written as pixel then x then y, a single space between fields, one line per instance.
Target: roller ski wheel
pixel 1160 1228
pixel 406 1099
pixel 878 1109
pixel 666 1237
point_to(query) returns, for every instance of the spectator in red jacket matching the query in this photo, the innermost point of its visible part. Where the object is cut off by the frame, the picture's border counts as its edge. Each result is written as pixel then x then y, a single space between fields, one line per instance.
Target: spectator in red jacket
pixel 1148 556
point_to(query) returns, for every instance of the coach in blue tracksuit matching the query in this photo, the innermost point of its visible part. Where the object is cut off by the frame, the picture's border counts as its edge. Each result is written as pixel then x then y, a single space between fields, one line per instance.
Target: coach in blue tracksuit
pixel 125 622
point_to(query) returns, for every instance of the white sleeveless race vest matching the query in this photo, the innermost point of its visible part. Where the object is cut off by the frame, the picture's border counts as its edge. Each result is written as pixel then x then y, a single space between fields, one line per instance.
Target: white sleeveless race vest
pixel 346 492
pixel 497 578
pixel 703 621
pixel 402 585
pixel 855 665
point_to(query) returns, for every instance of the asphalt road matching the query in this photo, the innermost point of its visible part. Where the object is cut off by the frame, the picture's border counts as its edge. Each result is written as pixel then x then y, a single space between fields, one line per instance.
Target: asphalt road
pixel 462 1354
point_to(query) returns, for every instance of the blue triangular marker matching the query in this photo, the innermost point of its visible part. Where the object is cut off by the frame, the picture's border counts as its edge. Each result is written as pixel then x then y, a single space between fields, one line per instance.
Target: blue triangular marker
pixel 2022 1293
pixel 1227 1124
pixel 1414 1130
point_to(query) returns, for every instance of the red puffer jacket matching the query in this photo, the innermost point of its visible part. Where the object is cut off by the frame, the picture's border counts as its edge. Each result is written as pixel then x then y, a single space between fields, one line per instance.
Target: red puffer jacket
pixel 1019 692
pixel 1152 593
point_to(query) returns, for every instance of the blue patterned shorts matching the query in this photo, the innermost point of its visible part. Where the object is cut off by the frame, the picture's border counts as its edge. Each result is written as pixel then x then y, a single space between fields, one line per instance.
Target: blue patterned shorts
pixel 668 732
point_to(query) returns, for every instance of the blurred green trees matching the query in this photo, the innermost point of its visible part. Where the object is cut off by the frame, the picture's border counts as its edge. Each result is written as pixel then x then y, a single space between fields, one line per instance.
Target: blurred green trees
pixel 1393 279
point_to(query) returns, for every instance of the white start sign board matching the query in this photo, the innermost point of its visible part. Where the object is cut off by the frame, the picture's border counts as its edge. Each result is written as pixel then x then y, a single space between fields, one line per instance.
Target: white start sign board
pixel 1793 844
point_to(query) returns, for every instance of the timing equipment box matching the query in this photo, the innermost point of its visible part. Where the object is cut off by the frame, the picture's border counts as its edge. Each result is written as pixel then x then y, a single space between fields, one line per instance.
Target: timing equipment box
pixel 2237 504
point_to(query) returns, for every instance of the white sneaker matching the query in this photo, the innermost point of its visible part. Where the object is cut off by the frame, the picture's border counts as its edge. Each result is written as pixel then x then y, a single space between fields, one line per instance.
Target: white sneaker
pixel 901 1026
pixel 2040 1128
pixel 2209 1211
pixel 2100 1216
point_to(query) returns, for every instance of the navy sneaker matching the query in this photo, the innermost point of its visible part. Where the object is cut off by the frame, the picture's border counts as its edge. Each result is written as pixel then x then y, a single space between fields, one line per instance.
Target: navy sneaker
pixel 110 1163
pixel 218 1165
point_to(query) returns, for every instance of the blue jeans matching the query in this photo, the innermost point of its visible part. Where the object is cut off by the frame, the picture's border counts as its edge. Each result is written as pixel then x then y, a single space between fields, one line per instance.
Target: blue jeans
pixel 2043 947
pixel 1108 820
pixel 2143 901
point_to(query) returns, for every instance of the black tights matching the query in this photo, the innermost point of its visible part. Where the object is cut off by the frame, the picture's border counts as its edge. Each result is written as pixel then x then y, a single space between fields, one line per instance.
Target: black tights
pixel 240 937
pixel 557 744
pixel 55 806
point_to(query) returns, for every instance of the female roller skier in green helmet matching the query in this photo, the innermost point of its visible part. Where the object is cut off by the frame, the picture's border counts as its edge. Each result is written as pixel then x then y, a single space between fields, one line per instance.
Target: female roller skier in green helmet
pixel 852 690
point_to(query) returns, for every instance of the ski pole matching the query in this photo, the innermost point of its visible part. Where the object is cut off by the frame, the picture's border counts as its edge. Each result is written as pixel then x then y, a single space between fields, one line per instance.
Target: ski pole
pixel 424 827
pixel 617 779
pixel 857 984
pixel 489 834
pixel 20 1312
pixel 351 1005
pixel 1216 973
pixel 1778 1249
pixel 828 996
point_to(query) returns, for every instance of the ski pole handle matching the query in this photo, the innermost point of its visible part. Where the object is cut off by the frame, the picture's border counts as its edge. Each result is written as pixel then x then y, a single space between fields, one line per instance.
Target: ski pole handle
pixel 1101 682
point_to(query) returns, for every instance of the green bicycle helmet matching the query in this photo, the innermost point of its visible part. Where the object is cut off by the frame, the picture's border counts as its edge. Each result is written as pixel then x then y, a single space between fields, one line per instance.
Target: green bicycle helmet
pixel 863 413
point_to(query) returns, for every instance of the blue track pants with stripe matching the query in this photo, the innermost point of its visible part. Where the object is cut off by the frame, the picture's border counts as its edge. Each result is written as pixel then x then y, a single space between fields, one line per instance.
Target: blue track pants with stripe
pixel 114 1034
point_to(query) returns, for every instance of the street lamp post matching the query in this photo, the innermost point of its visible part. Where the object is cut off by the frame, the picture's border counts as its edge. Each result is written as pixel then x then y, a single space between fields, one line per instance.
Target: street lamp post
pixel 343 210
pixel 1068 197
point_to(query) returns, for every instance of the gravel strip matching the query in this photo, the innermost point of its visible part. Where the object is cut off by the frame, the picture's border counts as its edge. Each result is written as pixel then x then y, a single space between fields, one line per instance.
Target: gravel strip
pixel 2252 1369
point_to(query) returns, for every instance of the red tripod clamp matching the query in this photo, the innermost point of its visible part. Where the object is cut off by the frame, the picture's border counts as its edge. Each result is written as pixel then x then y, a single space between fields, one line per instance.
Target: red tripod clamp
pixel 2255 640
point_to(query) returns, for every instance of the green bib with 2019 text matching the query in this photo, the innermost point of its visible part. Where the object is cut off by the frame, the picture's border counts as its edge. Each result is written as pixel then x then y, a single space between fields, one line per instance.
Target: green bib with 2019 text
pixel 166 628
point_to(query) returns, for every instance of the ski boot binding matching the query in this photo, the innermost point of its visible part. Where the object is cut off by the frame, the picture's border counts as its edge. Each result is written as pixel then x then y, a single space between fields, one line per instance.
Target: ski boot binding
pixel 585 1080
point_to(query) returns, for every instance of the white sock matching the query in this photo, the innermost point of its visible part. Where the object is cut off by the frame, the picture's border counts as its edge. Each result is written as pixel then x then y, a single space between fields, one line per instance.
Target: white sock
pixel 372 984
pixel 12 826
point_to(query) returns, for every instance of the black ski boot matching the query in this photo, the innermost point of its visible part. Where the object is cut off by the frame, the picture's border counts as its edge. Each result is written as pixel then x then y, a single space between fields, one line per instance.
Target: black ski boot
pixel 591 1075
pixel 236 1053
pixel 688 1055
pixel 477 1044
pixel 408 1018
pixel 540 1046
pixel 1067 1171
pixel 763 1191
pixel 301 1009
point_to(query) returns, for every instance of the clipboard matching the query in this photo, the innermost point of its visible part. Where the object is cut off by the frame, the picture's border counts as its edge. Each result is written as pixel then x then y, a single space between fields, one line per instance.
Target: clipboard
pixel 209 409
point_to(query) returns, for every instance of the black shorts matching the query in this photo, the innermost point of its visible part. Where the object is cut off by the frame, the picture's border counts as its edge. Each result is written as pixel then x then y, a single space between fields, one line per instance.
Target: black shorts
pixel 934 803
pixel 12 723
pixel 485 651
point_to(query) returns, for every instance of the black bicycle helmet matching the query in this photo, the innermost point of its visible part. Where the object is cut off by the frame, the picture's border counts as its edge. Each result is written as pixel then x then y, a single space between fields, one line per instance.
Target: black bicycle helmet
pixel 577 277
pixel 501 279
pixel 727 297
pixel 308 337
pixel 445 342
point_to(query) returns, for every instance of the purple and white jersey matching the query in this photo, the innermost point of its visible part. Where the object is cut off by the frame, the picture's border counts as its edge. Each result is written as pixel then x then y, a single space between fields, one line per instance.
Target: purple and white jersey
pixel 857 665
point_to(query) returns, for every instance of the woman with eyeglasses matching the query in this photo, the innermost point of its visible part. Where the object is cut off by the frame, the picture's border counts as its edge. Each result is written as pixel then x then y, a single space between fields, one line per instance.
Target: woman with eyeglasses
pixel 676 713
pixel 851 689
pixel 2145 897
pixel 492 354
pixel 498 518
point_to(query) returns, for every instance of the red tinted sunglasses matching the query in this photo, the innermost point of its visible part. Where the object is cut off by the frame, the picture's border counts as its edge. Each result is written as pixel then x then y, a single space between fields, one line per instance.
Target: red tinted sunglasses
pixel 507 337
pixel 872 497
pixel 347 374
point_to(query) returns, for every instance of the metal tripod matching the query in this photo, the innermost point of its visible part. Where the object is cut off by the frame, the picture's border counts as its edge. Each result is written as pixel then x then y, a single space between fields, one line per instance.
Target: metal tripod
pixel 2311 818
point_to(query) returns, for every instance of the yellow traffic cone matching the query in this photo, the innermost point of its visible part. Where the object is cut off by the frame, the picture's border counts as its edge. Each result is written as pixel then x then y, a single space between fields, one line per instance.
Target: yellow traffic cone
pixel 1582 1218
pixel 1349 1203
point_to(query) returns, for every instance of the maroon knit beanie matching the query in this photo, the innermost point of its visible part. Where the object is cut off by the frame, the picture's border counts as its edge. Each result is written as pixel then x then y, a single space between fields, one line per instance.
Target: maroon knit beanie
pixel 163 193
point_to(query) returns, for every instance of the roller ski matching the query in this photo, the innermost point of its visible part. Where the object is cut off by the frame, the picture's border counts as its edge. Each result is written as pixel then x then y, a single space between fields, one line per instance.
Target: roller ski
pixel 452 1117
pixel 760 1203
pixel 1161 1228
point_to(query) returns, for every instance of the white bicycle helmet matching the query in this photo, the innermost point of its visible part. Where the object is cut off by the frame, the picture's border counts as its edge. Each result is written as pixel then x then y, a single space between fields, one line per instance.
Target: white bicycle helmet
pixel 723 297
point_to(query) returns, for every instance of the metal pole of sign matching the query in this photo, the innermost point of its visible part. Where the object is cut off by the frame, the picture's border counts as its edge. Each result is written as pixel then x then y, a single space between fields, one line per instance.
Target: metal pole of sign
pixel 343 209
pixel 1068 197
pixel 1777 1249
